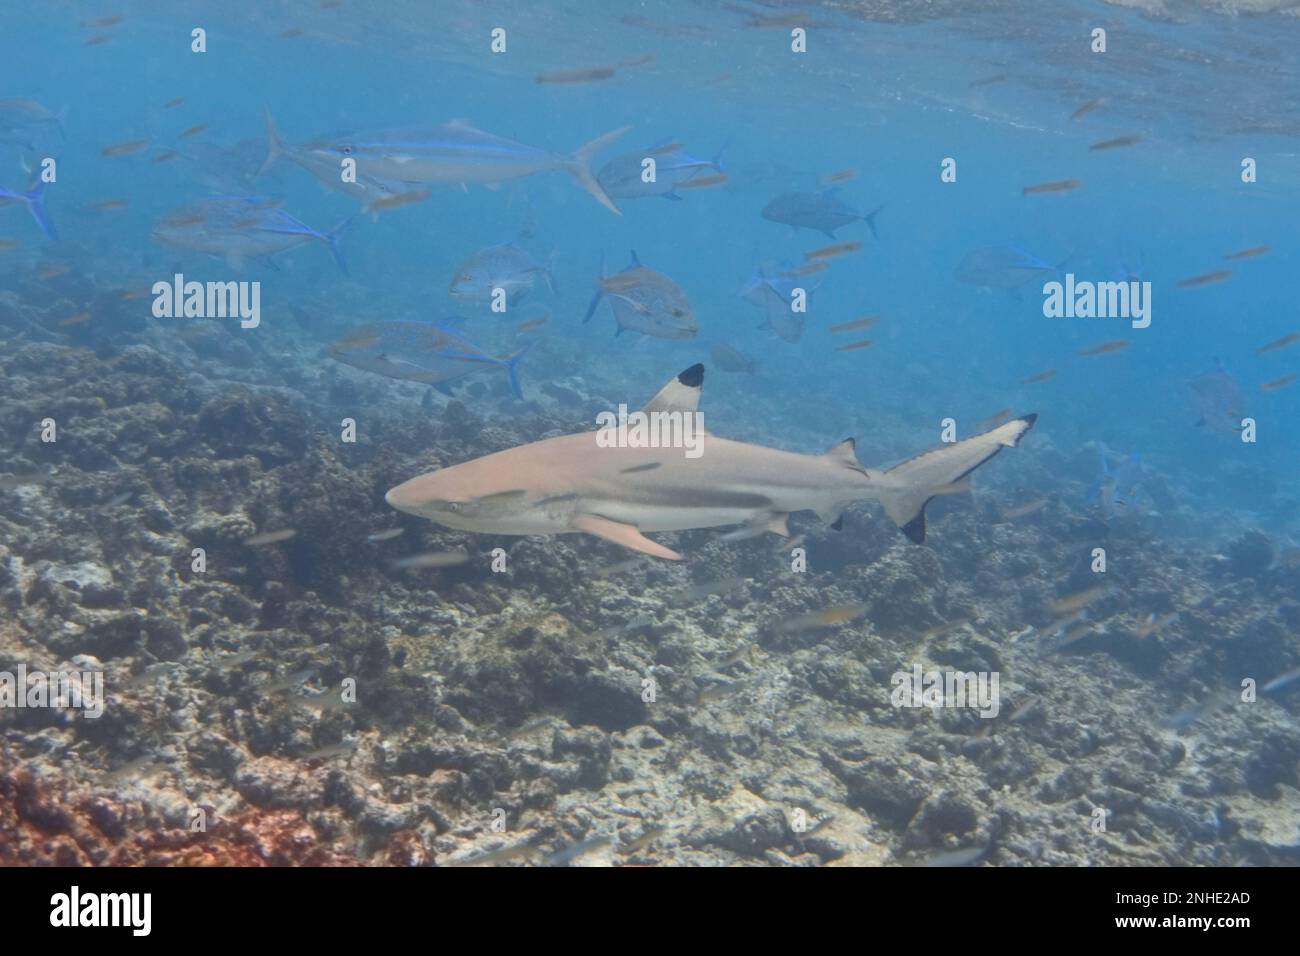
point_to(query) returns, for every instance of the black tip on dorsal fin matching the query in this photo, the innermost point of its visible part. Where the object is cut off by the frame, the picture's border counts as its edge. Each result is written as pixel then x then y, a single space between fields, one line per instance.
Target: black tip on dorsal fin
pixel 692 377
pixel 1030 419
pixel 838 523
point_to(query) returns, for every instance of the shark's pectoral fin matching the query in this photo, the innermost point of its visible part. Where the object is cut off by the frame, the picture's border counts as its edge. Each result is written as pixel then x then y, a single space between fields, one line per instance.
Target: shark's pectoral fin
pixel 624 534
pixel 681 394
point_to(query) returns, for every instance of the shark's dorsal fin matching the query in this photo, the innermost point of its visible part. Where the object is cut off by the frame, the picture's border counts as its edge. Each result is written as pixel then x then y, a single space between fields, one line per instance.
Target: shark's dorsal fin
pixel 681 394
pixel 636 261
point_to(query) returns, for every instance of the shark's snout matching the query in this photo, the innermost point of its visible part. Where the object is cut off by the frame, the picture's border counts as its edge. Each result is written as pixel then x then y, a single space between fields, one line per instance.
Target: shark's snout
pixel 401 497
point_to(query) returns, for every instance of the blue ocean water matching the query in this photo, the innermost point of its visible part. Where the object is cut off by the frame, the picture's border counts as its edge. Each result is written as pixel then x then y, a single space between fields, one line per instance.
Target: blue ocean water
pixel 890 95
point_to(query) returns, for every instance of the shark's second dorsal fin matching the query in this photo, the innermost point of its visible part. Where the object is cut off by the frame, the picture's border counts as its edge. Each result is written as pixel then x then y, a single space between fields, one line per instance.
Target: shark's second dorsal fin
pixel 681 394
pixel 846 453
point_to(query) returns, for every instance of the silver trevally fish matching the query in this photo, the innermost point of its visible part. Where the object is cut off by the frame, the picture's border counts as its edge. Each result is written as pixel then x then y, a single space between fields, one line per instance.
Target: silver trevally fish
pixel 34 199
pixel 453 152
pixel 773 296
pixel 579 483
pixel 238 228
pixel 225 170
pixel 1002 267
pixel 645 301
pixel 823 211
pixel 25 122
pixel 1218 400
pixel 375 193
pixel 425 352
pixel 622 176
pixel 503 266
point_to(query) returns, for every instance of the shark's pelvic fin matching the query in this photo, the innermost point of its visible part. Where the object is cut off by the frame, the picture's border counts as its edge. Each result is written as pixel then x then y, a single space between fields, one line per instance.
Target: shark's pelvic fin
pixel 625 534
pixel 681 394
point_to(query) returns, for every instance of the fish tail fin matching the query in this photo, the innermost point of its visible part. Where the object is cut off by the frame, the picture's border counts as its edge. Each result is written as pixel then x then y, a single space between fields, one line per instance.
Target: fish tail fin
pixel 275 147
pixel 716 163
pixel 548 271
pixel 595 299
pixel 579 167
pixel 905 489
pixel 870 220
pixel 36 203
pixel 512 371
pixel 334 237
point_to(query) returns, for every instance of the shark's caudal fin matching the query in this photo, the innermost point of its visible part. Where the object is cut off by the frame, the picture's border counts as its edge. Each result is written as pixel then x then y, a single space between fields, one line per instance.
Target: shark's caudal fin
pixel 905 489
pixel 579 167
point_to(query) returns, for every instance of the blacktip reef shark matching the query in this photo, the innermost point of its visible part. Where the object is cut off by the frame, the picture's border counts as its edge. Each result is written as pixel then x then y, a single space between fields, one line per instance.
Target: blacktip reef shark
pixel 573 484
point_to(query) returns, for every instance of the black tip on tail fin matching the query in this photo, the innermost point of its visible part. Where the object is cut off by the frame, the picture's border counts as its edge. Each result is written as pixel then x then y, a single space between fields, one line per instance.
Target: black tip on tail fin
pixel 692 377
pixel 915 529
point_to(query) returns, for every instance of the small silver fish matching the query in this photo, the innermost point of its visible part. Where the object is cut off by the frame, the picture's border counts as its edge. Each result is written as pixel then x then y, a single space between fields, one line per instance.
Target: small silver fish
pixel 430 559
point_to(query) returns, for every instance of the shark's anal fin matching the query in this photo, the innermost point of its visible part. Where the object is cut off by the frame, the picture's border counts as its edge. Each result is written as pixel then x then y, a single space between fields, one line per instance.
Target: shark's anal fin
pixel 625 534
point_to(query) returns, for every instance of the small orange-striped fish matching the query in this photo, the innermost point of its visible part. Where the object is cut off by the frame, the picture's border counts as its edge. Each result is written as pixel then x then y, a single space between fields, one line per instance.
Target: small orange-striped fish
pixel 825 618
pixel 1114 345
pixel 271 537
pixel 76 319
pixel 98 40
pixel 172 104
pixel 1277 383
pixel 839 176
pixel 591 75
pixel 109 204
pixel 54 271
pixel 125 149
pixel 997 418
pixel 807 269
pixel 863 323
pixel 290 33
pixel 128 295
pixel 835 251
pixel 1087 108
pixel 166 156
pixel 1250 253
pixel 1080 599
pixel 430 559
pixel 532 324
pixel 704 182
pixel 1026 509
pixel 1281 343
pixel 988 80
pixel 1056 186
pixel 8 244
pixel 193 131
pixel 1115 143
pixel 1040 377
pixel 854 346
pixel 1209 278
pixel 108 21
